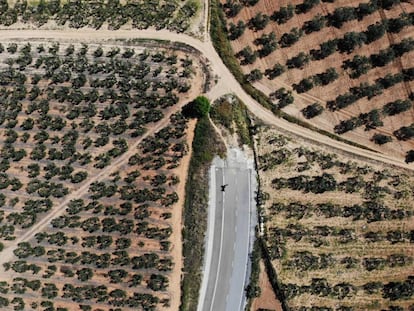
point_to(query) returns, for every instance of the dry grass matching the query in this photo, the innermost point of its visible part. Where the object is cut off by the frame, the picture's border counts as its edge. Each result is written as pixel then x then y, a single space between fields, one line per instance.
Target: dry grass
pixel 269 140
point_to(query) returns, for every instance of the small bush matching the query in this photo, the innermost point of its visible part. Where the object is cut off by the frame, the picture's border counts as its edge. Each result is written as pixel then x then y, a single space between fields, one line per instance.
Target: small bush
pixel 198 108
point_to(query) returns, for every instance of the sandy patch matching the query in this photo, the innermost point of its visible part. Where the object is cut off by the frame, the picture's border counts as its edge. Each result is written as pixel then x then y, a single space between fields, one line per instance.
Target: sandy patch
pixel 177 222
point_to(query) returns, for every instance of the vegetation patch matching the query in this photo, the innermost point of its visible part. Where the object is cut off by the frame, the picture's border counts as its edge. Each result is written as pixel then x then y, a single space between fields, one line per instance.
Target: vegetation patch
pixel 173 15
pixel 198 108
pixel 253 289
pixel 231 113
pixel 206 145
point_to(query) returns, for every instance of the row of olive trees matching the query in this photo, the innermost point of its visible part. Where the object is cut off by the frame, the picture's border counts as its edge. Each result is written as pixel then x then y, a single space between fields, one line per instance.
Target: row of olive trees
pixel 370 90
pixel 81 13
pixel 337 18
pixel 373 119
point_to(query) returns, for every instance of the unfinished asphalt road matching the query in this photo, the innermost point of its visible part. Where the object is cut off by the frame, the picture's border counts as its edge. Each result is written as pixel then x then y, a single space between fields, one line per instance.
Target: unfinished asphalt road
pixel 231 228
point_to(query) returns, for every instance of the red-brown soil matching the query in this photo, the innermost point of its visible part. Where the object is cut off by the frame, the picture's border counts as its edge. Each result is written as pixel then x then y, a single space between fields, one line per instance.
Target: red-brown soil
pixel 267 298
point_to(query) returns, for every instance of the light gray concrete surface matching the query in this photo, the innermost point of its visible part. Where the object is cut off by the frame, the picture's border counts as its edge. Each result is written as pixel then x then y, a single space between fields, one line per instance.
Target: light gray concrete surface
pixel 232 218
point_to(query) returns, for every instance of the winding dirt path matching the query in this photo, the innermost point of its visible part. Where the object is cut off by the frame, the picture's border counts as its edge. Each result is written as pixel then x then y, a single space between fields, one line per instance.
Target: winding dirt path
pixel 177 221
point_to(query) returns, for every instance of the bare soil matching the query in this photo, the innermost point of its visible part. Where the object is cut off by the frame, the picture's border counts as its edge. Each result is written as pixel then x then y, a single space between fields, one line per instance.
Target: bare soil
pixel 177 223
pixel 267 298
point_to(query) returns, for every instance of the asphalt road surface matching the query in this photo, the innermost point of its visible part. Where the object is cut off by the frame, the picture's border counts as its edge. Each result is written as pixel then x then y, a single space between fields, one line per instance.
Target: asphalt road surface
pixel 230 231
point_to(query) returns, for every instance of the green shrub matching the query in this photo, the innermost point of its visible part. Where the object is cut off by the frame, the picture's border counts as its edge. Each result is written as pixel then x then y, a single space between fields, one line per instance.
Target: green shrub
pixel 198 108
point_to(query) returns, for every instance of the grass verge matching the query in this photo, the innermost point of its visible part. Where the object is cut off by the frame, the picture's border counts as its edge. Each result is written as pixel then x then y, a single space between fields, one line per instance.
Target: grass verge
pixel 206 145
pixel 253 289
pixel 223 47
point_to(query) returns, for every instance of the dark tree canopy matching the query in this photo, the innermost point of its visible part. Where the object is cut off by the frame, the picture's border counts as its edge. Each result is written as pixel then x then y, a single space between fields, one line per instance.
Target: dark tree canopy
pixel 198 108
pixel 381 139
pixel 409 156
